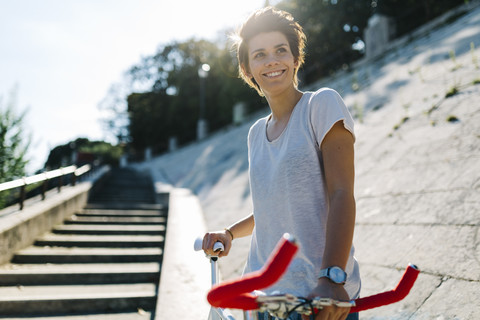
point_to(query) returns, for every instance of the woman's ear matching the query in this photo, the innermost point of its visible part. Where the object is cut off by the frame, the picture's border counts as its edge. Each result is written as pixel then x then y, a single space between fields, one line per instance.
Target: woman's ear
pixel 295 63
pixel 246 72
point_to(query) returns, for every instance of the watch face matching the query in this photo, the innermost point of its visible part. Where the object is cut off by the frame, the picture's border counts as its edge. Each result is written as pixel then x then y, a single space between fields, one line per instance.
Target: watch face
pixel 337 275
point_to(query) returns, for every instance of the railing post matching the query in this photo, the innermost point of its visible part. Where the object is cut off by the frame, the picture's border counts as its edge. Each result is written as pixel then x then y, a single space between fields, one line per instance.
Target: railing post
pixel 44 188
pixel 22 196
pixel 60 182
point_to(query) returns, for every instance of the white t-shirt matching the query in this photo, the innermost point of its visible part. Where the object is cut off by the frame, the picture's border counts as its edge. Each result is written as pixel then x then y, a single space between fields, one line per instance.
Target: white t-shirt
pixel 289 191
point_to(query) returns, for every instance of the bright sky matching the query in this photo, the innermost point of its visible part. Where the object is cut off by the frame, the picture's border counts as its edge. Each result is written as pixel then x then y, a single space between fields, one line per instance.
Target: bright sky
pixel 65 54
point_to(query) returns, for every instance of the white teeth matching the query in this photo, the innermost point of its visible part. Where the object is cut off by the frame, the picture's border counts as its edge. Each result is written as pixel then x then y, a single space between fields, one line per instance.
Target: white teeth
pixel 274 74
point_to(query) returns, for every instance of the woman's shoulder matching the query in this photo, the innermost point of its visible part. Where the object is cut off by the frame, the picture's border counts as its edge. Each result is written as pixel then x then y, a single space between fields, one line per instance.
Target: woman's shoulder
pixel 324 99
pixel 260 122
pixel 323 93
pixel 257 125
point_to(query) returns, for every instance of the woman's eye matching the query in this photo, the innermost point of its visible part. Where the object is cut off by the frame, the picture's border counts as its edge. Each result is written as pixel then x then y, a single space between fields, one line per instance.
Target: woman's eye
pixel 281 50
pixel 258 55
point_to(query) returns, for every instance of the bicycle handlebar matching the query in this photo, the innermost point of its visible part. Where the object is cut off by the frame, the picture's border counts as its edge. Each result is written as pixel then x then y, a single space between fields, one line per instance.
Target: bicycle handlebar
pixel 388 297
pixel 236 293
pixel 217 246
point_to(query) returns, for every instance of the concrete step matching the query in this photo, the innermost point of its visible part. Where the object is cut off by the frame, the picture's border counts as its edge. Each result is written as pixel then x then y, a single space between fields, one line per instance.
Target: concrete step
pixel 87 255
pixel 121 213
pixel 99 241
pixel 122 198
pixel 115 220
pixel 125 193
pixel 111 205
pixel 33 300
pixel 102 263
pixel 104 229
pixel 63 274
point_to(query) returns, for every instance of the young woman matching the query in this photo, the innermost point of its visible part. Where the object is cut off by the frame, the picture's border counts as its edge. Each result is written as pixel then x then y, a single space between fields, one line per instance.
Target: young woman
pixel 301 166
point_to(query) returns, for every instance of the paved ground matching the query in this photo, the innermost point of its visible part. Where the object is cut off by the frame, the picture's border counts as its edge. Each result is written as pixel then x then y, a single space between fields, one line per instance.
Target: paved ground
pixel 417 172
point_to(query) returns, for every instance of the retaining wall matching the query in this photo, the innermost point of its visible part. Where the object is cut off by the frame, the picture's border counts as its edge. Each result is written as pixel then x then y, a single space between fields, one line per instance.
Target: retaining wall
pixel 20 229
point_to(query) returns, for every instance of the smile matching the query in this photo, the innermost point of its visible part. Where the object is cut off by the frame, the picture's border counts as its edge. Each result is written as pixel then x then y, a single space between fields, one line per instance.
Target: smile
pixel 274 74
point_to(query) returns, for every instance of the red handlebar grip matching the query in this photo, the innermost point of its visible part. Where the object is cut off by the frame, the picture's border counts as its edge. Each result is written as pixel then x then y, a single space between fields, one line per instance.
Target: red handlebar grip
pixel 235 293
pixel 388 297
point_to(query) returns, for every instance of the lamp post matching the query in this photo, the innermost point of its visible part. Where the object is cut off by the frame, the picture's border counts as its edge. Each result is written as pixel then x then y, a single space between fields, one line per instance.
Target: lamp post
pixel 202 122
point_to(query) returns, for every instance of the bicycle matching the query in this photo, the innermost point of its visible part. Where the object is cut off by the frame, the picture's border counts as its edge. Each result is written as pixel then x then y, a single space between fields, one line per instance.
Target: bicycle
pixel 238 293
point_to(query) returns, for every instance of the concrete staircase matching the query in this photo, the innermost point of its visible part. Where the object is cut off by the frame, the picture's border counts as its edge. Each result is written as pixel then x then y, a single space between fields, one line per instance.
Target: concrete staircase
pixel 102 263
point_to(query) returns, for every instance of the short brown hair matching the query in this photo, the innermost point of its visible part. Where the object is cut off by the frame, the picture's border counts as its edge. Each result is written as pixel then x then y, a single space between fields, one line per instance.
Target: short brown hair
pixel 269 19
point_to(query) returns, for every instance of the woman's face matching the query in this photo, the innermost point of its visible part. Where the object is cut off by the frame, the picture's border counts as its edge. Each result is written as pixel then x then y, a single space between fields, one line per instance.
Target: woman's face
pixel 271 62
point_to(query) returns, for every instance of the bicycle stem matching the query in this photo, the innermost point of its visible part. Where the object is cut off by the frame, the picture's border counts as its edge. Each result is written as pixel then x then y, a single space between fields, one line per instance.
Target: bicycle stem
pixel 214 269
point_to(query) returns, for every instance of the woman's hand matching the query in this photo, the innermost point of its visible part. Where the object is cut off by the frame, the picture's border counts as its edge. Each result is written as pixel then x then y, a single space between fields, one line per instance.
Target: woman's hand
pixel 328 289
pixel 218 236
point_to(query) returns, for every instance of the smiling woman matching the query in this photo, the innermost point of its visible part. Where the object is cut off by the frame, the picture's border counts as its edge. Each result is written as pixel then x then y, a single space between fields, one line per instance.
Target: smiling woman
pixel 301 170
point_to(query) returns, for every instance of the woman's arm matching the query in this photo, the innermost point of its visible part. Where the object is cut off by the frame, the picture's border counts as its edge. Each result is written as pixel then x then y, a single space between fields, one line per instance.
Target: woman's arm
pixel 239 229
pixel 243 227
pixel 338 160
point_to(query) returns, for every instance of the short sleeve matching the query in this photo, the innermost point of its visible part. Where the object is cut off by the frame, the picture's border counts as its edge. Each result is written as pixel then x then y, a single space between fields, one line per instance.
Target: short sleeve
pixel 253 134
pixel 327 108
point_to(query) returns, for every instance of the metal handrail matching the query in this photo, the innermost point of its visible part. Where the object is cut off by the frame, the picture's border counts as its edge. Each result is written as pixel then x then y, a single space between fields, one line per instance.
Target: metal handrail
pixel 44 178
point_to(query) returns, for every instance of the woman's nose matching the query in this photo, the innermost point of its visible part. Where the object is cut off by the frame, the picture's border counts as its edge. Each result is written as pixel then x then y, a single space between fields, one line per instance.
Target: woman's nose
pixel 271 60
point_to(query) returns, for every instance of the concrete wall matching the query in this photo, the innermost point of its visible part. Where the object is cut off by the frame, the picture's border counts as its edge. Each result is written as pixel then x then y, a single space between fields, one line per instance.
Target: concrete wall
pixel 20 229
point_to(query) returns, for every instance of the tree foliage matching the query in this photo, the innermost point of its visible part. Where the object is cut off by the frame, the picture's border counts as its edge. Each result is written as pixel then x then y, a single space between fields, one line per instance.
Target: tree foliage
pixel 114 108
pixel 410 14
pixel 334 26
pixel 171 107
pixel 82 151
pixel 13 142
pixel 331 27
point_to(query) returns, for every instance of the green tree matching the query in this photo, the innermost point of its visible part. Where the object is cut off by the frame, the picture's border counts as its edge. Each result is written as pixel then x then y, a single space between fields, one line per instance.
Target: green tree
pixel 103 152
pixel 331 27
pixel 171 106
pixel 114 110
pixel 13 142
pixel 97 152
pixel 410 14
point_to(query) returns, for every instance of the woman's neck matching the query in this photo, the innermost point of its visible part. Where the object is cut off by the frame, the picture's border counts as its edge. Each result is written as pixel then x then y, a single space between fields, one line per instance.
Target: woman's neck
pixel 283 104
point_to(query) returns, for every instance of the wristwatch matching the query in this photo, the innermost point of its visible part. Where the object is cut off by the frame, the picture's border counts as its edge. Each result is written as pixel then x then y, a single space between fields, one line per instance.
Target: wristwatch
pixel 334 274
